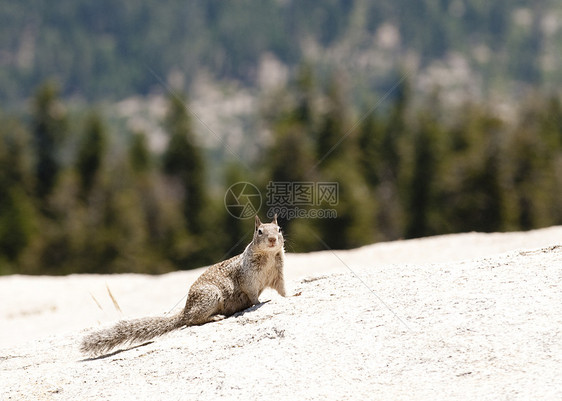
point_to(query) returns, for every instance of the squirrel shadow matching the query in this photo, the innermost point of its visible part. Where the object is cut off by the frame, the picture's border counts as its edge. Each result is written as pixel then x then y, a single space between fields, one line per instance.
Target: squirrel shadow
pixel 251 309
pixel 96 358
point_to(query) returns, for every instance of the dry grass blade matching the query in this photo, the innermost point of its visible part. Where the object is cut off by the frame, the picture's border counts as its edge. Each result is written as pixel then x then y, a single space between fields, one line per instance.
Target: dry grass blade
pixel 96 301
pixel 113 299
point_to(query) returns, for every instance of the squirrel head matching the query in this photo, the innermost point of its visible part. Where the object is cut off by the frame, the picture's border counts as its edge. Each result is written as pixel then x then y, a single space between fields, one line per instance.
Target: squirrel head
pixel 268 236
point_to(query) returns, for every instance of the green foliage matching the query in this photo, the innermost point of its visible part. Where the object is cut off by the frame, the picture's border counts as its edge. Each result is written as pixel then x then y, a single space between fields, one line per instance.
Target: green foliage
pixel 183 162
pixel 17 210
pixel 417 168
pixel 387 168
pixel 103 212
pixel 49 126
pixel 17 225
pixel 473 174
pixel 420 190
pixel 355 209
pixel 291 155
pixel 186 177
pixel 139 154
pixel 370 143
pixel 91 152
pixel 532 177
pixel 237 232
pixel 335 125
pixel 339 161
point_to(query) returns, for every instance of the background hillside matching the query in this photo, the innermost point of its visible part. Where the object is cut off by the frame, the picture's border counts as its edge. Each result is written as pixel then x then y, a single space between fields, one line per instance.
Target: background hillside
pixel 123 126
pixel 105 49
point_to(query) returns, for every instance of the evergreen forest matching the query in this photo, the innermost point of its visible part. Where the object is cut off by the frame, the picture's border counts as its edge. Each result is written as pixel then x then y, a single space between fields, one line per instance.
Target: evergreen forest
pixel 83 193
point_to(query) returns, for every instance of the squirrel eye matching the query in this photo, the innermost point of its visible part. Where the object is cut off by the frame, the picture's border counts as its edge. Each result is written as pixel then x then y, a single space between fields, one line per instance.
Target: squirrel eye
pixel 260 232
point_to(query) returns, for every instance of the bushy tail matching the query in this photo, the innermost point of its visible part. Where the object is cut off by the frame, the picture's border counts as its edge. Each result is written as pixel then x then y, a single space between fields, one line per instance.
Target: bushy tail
pixel 129 331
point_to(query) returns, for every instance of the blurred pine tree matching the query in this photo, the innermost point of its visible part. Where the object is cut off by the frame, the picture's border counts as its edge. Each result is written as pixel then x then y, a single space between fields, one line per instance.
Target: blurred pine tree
pixel 91 152
pixel 420 202
pixel 237 232
pixel 338 160
pixel 183 162
pixel 49 130
pixel 139 153
pixel 18 214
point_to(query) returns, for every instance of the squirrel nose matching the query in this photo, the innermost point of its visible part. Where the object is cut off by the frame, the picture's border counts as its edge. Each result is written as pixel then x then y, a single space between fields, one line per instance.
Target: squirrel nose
pixel 272 240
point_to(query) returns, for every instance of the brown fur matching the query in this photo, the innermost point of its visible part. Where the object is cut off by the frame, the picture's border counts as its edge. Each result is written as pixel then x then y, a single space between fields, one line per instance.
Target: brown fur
pixel 222 290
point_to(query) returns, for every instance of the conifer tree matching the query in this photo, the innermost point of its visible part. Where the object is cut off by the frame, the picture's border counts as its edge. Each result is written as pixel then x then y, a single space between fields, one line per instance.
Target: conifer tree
pixel 420 191
pixel 532 152
pixel 139 153
pixel 305 86
pixel 91 152
pixel 391 191
pixel 551 128
pixel 370 156
pixel 18 217
pixel 48 129
pixel 332 135
pixel 338 162
pixel 471 178
pixel 291 115
pixel 237 231
pixel 395 130
pixel 183 161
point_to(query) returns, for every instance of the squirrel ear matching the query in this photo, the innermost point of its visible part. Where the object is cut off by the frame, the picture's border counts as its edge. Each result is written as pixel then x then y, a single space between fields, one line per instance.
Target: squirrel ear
pixel 275 219
pixel 258 222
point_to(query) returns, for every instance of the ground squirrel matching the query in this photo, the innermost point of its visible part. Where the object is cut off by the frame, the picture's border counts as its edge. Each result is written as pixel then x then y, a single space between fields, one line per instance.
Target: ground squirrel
pixel 222 290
